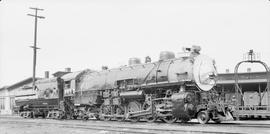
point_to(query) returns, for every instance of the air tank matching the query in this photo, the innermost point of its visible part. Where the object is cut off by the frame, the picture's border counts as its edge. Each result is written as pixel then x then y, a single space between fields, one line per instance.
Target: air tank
pixel 165 55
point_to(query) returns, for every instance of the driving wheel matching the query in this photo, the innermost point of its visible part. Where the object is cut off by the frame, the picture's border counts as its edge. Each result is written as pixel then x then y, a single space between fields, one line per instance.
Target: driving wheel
pixel 134 106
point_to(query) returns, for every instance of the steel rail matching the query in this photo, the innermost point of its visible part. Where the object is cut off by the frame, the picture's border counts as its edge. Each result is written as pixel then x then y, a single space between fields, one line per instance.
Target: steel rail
pixel 127 129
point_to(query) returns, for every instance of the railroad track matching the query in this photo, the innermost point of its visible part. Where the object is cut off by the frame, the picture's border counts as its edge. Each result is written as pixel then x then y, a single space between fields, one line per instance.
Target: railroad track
pixel 128 127
pixel 247 125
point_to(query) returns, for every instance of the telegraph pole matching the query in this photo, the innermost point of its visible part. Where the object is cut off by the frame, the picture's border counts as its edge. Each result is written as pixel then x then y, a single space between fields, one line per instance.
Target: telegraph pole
pixel 35 43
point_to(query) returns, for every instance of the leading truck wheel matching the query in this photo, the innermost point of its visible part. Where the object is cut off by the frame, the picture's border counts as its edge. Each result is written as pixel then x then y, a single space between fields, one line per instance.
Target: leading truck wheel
pixel 203 117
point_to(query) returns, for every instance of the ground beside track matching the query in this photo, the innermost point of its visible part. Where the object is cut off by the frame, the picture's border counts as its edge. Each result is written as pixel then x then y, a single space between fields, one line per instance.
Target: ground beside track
pixel 17 125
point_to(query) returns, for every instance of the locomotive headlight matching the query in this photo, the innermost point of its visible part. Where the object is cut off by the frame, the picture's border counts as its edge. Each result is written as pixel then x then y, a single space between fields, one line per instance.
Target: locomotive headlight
pixel 204 72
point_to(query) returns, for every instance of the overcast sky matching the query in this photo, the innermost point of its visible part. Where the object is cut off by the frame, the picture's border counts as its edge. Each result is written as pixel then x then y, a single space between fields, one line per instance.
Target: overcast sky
pixel 91 33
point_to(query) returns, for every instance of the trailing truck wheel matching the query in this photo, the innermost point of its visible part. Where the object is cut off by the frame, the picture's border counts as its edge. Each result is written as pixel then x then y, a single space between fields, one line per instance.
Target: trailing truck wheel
pixel 169 119
pixel 203 117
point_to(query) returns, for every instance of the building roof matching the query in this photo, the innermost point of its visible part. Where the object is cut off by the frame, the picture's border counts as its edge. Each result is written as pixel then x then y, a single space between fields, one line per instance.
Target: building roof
pixel 247 77
pixel 21 83
pixel 3 88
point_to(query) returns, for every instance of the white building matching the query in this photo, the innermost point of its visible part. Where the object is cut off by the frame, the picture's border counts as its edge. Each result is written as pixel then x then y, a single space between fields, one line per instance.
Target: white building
pixel 19 90
pixel 4 101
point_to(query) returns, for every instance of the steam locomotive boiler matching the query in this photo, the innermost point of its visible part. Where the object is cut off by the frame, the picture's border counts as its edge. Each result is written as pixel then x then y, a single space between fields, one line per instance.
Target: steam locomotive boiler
pixel 168 90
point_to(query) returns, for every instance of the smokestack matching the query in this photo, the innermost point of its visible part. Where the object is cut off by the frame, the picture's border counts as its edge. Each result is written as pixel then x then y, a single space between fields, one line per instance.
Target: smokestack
pixel 227 70
pixel 68 69
pixel 248 70
pixel 47 74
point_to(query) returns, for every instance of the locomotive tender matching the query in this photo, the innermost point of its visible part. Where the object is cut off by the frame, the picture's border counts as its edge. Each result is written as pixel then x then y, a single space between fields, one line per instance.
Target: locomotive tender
pixel 170 89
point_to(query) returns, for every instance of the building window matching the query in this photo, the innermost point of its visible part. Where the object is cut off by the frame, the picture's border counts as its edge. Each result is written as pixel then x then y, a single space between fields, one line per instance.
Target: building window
pixel 2 103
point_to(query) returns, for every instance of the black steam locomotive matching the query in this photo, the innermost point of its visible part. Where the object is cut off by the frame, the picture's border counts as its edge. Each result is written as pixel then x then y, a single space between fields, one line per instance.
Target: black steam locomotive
pixel 170 89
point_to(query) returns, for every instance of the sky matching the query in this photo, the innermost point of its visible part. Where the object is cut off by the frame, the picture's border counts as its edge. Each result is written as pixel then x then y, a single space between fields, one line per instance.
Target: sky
pixel 92 33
